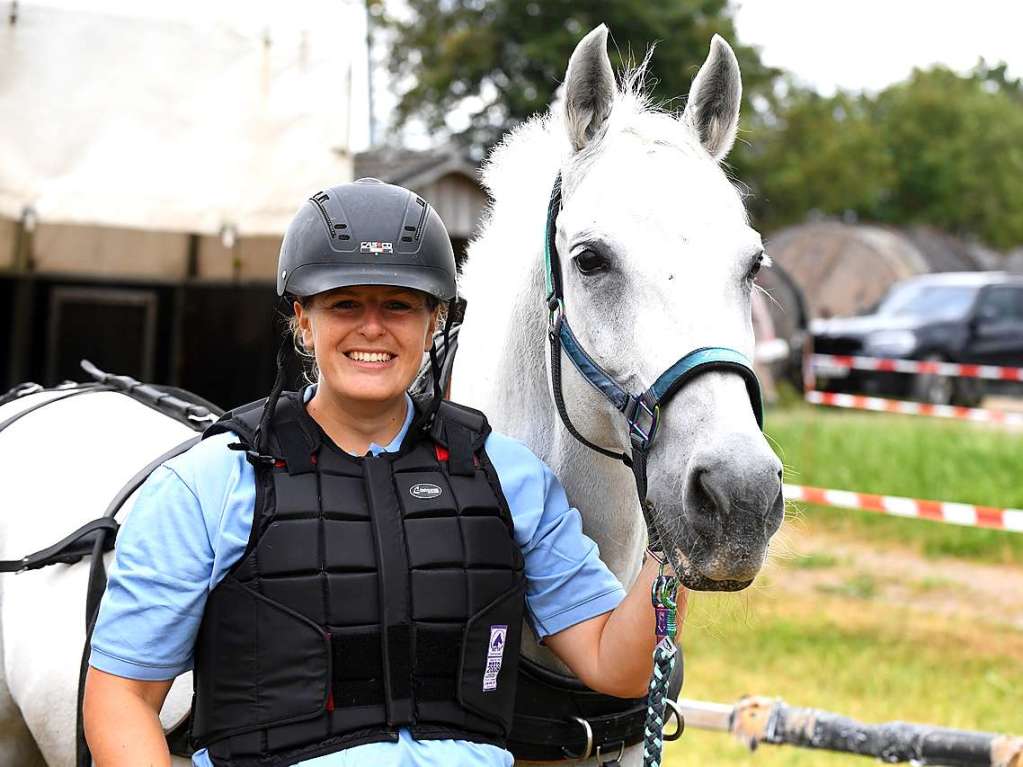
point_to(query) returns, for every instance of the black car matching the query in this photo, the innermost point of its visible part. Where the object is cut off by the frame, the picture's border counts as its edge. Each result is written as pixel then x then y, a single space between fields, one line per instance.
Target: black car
pixel 968 317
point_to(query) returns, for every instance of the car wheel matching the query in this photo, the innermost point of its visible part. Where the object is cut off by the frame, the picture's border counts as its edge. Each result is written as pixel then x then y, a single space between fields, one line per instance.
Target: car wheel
pixel 933 388
pixel 968 392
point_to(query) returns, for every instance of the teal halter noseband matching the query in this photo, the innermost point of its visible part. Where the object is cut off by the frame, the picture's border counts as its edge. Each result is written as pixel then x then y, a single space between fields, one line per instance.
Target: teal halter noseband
pixel 641 411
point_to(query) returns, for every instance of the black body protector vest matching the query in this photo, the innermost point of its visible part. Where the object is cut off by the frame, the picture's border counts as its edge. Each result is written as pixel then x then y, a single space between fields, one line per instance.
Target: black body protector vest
pixel 375 593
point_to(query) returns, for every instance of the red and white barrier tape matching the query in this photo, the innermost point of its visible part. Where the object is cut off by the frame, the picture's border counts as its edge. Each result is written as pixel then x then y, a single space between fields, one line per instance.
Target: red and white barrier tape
pixel 884 364
pixel 939 511
pixel 877 404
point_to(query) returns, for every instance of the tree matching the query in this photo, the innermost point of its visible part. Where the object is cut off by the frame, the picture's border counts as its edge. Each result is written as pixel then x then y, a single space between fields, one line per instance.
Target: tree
pixel 941 148
pixel 816 154
pixel 956 144
pixel 500 61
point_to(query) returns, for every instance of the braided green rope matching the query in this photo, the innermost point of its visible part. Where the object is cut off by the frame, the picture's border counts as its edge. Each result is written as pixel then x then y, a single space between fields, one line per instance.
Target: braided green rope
pixel 665 654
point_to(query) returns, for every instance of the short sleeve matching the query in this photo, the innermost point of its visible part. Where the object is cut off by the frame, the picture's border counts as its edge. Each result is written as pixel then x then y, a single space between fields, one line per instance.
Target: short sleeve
pixel 189 524
pixel 567 582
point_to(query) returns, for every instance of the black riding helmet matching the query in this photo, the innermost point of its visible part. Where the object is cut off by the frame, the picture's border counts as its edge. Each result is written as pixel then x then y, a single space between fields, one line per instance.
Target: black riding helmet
pixel 363 233
pixel 366 233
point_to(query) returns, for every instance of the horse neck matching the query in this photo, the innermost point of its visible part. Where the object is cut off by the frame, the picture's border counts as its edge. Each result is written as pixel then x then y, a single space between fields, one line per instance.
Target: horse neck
pixel 603 491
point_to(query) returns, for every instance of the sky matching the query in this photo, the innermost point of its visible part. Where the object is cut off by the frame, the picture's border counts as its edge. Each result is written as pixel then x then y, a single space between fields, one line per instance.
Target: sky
pixel 869 44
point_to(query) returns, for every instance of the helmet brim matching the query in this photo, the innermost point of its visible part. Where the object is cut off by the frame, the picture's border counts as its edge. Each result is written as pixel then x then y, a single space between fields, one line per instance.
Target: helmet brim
pixel 310 279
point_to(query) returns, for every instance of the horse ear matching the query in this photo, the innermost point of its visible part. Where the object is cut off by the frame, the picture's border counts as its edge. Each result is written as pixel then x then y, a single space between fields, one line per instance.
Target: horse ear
pixel 713 106
pixel 589 88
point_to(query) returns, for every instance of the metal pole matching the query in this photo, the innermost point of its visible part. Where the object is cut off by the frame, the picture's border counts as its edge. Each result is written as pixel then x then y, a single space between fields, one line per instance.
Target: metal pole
pixel 757 720
pixel 369 75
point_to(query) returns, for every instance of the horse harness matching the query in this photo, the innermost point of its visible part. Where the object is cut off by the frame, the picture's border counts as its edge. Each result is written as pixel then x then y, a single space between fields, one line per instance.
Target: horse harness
pixel 97 537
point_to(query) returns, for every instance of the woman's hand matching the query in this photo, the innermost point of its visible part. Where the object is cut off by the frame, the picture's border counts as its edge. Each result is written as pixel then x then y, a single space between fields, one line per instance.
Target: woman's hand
pixel 613 653
pixel 122 720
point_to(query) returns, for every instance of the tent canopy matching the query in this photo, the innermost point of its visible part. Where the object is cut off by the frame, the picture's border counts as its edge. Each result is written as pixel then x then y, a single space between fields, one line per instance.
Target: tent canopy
pixel 185 116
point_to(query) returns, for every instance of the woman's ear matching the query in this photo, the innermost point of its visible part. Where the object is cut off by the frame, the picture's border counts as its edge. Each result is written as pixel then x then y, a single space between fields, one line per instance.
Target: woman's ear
pixel 305 327
pixel 432 328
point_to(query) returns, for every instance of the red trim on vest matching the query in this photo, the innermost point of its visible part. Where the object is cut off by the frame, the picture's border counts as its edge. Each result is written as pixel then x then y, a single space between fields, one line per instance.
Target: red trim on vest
pixel 441 452
pixel 330 700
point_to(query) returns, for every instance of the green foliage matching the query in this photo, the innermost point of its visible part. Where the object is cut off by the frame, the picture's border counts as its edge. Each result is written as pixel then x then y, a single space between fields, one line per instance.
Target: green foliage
pixel 502 60
pixel 941 148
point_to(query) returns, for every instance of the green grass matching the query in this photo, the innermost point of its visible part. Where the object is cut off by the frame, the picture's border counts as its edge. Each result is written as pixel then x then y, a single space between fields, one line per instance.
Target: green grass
pixel 907 456
pixel 840 646
pixel 813 561
pixel 838 654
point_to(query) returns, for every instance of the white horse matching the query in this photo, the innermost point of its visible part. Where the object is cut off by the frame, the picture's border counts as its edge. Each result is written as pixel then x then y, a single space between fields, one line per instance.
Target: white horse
pixel 658 258
pixel 647 206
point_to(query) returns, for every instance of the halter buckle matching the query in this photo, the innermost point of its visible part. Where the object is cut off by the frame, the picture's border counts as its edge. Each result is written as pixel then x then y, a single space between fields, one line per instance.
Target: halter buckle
pixel 643 420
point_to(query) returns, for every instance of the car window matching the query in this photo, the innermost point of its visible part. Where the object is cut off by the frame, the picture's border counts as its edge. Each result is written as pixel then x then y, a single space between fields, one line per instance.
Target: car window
pixel 947 302
pixel 1003 303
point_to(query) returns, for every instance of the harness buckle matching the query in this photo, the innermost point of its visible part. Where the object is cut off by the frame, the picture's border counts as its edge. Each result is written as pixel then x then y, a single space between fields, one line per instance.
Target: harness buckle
pixel 588 751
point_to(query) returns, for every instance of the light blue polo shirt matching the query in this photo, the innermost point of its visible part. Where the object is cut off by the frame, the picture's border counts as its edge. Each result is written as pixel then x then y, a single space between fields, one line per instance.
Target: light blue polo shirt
pixel 191 523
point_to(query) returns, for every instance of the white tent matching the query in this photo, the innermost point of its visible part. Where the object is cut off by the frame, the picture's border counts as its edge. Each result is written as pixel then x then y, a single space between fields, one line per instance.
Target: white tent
pixel 186 116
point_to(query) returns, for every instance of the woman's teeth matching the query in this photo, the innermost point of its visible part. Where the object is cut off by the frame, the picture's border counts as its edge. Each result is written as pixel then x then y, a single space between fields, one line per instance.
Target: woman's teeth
pixel 370 356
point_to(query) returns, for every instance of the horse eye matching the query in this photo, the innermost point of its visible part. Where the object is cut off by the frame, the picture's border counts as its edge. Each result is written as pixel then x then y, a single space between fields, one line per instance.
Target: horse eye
pixel 755 268
pixel 589 262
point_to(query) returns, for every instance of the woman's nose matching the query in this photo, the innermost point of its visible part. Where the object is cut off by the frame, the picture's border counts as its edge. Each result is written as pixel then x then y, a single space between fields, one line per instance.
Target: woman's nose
pixel 372 322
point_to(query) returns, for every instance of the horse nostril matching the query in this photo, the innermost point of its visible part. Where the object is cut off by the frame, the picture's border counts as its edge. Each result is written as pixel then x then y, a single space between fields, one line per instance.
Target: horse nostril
pixel 705 501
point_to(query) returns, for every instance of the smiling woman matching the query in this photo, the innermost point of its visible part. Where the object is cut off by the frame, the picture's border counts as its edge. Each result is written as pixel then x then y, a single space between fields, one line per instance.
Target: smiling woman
pixel 343 568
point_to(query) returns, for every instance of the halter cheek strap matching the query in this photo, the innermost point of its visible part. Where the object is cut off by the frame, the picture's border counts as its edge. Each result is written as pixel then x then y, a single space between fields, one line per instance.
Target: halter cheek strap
pixel 641 411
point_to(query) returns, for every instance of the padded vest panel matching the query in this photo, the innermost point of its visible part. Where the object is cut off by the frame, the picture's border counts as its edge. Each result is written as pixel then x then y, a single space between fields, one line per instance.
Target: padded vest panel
pixel 368 600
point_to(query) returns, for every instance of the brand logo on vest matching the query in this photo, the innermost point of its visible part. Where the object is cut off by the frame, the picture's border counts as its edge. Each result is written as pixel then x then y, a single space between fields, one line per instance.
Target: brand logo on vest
pixel 495 654
pixel 376 247
pixel 424 491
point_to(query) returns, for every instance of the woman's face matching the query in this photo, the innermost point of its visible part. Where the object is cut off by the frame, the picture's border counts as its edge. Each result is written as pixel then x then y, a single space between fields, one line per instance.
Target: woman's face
pixel 368 339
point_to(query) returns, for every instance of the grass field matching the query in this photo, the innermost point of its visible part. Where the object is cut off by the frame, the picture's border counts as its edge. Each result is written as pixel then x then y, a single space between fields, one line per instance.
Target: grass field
pixel 907 456
pixel 869 616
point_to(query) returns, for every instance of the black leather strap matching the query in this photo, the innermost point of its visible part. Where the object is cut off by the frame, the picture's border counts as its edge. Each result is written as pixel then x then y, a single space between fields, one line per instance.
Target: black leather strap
pixel 68 550
pixel 549 731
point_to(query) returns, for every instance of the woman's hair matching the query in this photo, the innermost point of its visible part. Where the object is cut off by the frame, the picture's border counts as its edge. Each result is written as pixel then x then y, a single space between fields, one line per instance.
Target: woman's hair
pixel 310 370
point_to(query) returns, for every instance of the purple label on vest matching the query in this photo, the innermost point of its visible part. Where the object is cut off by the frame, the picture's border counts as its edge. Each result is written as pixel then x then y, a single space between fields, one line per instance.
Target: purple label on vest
pixel 495 654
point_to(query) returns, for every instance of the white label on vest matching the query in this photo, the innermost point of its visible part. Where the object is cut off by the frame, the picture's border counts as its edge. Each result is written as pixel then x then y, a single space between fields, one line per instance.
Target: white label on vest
pixel 424 491
pixel 495 653
pixel 377 247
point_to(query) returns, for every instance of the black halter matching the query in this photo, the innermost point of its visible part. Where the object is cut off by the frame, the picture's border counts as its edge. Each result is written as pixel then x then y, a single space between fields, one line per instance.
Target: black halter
pixel 641 411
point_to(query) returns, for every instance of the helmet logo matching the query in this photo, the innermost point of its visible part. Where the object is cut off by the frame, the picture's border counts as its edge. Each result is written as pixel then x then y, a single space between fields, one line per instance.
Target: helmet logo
pixel 376 247
pixel 424 491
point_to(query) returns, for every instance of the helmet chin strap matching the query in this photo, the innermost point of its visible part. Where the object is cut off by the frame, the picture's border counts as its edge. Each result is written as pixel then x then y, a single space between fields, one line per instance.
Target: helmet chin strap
pixel 261 439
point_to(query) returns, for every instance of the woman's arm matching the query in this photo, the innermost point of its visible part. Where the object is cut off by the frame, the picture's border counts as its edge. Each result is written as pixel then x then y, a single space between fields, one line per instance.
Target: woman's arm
pixel 613 653
pixel 122 720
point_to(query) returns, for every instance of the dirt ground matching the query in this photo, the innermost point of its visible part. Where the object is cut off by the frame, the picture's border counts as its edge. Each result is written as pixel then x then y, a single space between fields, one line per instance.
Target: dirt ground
pixel 818 562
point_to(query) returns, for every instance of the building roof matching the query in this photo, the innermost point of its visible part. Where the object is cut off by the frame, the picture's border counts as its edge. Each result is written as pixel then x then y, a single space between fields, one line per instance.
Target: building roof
pixel 414 168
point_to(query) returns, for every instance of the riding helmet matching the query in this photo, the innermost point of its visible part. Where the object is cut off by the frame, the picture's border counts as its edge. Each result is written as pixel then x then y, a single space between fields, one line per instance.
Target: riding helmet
pixel 366 233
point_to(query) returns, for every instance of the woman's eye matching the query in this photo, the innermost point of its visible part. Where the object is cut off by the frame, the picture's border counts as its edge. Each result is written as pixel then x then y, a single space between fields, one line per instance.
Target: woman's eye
pixel 397 306
pixel 589 262
pixel 345 305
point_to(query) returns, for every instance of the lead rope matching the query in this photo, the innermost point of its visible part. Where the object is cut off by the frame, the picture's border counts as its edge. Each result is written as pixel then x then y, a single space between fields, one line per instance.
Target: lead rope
pixel 663 596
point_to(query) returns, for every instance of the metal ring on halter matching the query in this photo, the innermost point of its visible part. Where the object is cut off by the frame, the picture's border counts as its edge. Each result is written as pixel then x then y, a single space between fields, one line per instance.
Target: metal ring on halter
pixel 677 711
pixel 589 741
pixel 618 758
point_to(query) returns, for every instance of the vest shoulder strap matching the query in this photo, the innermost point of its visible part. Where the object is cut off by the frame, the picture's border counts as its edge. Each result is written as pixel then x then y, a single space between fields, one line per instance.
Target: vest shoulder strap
pixel 462 430
pixel 291 438
pixel 241 420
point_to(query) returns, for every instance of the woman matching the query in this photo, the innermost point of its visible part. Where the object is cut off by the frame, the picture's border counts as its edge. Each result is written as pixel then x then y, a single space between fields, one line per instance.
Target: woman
pixel 348 573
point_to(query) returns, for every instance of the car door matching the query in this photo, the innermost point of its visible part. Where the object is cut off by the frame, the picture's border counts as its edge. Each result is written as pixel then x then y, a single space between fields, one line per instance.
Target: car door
pixel 997 337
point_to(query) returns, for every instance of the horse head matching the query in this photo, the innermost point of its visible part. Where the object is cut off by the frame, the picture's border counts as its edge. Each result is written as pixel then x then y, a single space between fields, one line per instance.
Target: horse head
pixel 658 259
